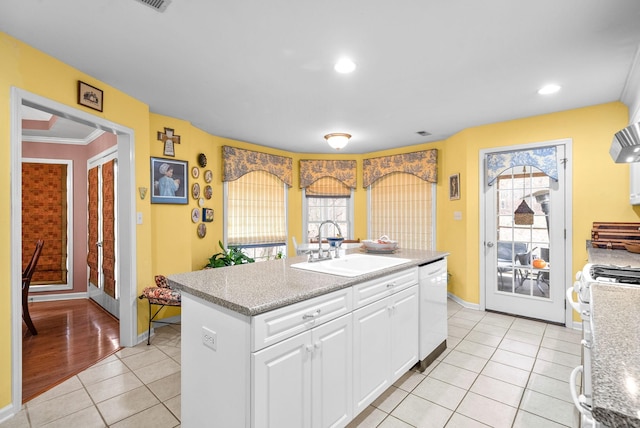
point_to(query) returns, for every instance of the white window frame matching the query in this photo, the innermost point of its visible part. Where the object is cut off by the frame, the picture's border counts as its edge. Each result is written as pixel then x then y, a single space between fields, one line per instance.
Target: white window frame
pixel 305 216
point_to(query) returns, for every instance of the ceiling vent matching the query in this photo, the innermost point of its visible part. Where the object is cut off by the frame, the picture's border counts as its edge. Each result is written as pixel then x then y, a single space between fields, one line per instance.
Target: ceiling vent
pixel 423 133
pixel 159 5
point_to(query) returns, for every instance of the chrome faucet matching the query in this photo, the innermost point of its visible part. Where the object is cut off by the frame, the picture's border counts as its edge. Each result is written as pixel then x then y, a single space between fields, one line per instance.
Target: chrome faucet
pixel 320 252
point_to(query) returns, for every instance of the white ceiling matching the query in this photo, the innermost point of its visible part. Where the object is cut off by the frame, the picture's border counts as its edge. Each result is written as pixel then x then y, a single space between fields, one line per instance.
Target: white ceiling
pixel 262 71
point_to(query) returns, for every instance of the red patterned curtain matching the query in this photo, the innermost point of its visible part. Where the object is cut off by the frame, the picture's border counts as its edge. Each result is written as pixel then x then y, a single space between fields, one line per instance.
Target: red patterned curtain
pixel 108 228
pixel 44 216
pixel 92 256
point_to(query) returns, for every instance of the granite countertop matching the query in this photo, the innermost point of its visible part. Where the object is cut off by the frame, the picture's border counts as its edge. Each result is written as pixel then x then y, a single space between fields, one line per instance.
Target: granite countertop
pixel 615 321
pixel 603 256
pixel 255 288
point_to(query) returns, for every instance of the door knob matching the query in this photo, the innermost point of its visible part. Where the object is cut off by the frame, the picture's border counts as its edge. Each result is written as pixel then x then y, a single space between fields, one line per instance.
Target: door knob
pixel 489 244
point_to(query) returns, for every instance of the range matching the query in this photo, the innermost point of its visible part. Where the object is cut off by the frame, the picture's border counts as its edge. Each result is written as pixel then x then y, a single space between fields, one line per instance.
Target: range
pixel 591 274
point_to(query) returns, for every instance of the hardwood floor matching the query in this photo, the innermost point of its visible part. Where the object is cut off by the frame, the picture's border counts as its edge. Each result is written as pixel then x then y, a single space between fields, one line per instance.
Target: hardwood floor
pixel 72 335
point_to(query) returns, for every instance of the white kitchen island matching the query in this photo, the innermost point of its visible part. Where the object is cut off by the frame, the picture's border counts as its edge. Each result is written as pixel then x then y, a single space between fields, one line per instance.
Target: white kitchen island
pixel 268 345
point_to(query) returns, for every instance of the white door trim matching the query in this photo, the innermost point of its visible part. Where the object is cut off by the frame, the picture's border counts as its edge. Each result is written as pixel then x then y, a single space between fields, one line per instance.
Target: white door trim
pixel 568 204
pixel 126 212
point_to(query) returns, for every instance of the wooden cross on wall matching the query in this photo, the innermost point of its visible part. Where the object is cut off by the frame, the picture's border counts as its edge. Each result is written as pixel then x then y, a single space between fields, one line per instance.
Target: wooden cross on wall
pixel 169 139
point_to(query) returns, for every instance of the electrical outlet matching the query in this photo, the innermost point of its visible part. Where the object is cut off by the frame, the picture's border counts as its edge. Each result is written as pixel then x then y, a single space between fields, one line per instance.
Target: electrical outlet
pixel 209 338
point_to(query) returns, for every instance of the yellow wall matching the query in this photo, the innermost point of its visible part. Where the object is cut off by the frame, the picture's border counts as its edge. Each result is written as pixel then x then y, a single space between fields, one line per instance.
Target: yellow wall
pixel 600 187
pixel 167 241
pixel 33 71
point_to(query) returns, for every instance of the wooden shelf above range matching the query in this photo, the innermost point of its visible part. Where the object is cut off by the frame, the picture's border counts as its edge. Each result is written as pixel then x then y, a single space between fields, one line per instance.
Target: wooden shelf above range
pixel 614 235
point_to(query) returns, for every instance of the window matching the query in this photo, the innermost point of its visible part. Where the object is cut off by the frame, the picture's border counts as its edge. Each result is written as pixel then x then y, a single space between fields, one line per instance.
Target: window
pixel 402 206
pixel 47 213
pixel 316 210
pixel 327 199
pixel 255 214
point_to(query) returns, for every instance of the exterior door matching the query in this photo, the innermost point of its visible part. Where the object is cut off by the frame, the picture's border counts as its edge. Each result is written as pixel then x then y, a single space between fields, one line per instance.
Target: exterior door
pixel 524 248
pixel 102 233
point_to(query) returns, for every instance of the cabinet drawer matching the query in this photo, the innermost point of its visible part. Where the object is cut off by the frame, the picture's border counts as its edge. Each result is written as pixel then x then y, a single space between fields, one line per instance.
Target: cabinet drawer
pixel 279 324
pixel 370 291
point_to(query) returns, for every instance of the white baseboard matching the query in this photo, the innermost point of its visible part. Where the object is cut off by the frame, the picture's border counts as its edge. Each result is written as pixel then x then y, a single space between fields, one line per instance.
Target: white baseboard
pixel 7 413
pixel 461 302
pixel 143 336
pixel 49 297
pixel 577 325
pixel 174 319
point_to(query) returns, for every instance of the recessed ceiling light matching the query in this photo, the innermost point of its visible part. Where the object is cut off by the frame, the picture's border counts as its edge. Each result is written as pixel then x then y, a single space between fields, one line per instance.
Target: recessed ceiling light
pixel 345 65
pixel 549 89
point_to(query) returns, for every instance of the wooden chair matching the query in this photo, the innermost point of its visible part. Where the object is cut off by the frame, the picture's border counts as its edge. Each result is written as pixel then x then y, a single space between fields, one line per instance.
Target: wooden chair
pixel 162 295
pixel 27 274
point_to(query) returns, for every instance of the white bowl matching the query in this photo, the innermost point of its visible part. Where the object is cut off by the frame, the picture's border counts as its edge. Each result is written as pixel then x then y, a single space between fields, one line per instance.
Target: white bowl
pixel 379 245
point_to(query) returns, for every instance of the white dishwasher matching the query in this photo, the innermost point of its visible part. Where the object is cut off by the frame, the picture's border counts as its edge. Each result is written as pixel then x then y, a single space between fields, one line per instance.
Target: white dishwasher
pixel 433 311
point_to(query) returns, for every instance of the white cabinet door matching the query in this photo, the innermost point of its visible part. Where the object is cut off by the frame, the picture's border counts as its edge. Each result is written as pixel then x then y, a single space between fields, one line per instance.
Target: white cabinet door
pixel 281 390
pixel 372 356
pixel 404 331
pixel 331 374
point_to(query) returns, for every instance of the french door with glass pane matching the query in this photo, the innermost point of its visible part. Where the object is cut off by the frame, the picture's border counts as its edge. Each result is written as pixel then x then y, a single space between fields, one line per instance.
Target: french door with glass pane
pixel 524 252
pixel 102 234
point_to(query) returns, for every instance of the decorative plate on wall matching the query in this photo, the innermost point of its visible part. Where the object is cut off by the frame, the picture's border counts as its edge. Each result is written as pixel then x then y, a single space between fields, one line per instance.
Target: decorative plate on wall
pixel 202 230
pixel 208 192
pixel 195 215
pixel 195 172
pixel 208 176
pixel 195 190
pixel 202 160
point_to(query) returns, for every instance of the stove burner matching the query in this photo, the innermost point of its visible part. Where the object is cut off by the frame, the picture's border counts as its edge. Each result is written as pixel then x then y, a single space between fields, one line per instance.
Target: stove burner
pixel 623 275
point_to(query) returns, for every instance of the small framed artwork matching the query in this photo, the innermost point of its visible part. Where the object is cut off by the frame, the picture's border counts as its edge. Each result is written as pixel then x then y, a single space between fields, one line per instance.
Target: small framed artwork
pixel 454 187
pixel 207 215
pixel 195 191
pixel 169 181
pixel 90 96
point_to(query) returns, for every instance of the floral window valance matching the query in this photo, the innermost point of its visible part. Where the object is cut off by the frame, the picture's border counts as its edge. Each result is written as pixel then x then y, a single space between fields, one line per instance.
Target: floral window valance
pixel 423 164
pixel 342 170
pixel 545 159
pixel 238 162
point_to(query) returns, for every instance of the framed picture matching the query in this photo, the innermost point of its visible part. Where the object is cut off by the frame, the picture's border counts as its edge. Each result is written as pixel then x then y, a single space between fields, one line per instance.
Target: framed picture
pixel 207 215
pixel 169 181
pixel 454 187
pixel 89 96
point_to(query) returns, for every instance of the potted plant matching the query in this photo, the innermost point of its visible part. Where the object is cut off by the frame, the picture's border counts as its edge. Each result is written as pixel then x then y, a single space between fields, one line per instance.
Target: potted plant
pixel 228 257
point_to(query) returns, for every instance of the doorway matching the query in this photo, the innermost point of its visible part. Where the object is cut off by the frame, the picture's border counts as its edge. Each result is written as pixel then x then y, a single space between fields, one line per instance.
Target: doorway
pixel 125 210
pixel 524 248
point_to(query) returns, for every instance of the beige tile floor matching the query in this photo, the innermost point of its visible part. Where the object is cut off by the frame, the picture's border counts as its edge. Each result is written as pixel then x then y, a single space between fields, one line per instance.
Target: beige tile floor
pixel 498 371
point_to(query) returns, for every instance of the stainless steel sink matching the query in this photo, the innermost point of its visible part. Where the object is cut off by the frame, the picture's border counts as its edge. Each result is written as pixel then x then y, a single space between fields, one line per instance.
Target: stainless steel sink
pixel 351 264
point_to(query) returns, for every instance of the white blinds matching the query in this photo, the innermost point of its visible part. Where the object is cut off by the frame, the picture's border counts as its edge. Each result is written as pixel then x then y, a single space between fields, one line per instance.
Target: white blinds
pixel 401 208
pixel 256 209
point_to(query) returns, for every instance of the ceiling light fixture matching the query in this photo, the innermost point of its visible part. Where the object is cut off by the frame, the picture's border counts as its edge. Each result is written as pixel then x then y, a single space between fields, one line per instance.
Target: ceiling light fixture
pixel 337 140
pixel 345 65
pixel 549 89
